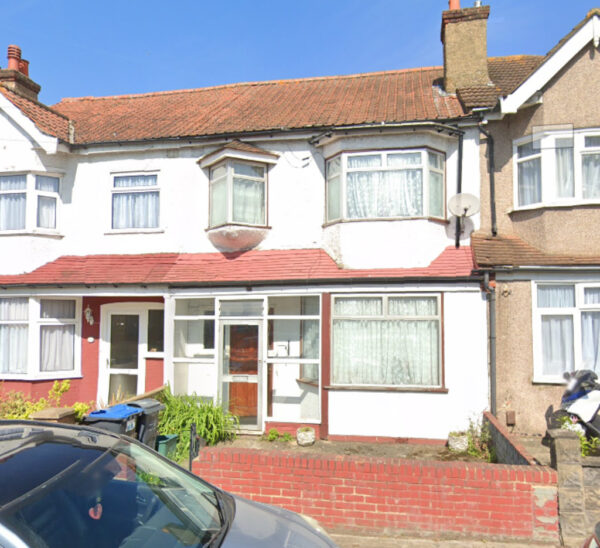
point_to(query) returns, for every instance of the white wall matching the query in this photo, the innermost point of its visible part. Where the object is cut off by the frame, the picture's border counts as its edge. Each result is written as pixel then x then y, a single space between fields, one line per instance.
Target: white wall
pixel 427 415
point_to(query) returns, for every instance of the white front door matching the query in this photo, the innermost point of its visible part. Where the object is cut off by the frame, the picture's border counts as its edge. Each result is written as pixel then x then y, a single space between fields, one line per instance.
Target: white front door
pixel 123 350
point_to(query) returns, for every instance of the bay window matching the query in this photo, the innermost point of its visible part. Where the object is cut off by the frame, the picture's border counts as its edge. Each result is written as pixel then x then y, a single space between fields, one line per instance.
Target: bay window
pixel 385 185
pixel 135 202
pixel 237 194
pixel 557 167
pixel 38 337
pixel 567 329
pixel 28 202
pixel 389 340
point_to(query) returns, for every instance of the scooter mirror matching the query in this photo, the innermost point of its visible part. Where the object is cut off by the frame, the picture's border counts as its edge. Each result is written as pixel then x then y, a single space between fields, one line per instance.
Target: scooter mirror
pixel 567 375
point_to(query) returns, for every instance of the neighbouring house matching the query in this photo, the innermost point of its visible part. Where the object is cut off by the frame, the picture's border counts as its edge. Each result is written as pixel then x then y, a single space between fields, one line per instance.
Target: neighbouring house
pixel 285 248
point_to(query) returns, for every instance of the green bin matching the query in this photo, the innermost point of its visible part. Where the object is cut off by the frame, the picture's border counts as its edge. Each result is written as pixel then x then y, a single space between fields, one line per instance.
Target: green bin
pixel 166 444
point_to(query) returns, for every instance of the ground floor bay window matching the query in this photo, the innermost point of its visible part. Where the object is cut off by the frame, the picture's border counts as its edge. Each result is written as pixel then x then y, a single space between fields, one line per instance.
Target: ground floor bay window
pixel 387 341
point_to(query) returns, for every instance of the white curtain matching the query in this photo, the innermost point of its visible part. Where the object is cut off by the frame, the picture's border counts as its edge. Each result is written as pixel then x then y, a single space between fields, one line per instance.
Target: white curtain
pixel 565 187
pixel 57 309
pixel 555 296
pixel 135 210
pixel 591 175
pixel 13 336
pixel 557 344
pixel 530 181
pixel 46 212
pixel 592 295
pixel 386 351
pixel 12 205
pixel 248 201
pixel 590 338
pixel 56 347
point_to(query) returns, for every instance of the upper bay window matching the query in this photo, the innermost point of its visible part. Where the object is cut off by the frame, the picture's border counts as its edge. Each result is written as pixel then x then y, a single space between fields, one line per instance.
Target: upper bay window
pixel 238 194
pixel 385 185
pixel 28 202
pixel 558 168
pixel 135 202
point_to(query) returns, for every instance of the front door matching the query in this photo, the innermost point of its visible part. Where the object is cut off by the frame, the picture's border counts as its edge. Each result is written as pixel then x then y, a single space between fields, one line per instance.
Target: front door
pixel 240 371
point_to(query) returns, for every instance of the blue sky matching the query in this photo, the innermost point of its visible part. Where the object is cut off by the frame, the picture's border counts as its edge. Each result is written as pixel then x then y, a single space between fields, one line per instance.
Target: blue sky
pixel 108 47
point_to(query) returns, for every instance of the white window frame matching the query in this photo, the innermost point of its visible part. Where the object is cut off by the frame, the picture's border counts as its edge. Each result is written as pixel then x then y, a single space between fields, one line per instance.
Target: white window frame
pixel 134 190
pixel 385 316
pixel 229 175
pixel 35 323
pixel 575 312
pixel 425 166
pixel 547 147
pixel 31 202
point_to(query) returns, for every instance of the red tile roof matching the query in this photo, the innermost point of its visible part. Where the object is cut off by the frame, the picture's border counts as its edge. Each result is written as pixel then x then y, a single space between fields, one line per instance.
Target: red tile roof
pixel 298 265
pixel 46 119
pixel 512 251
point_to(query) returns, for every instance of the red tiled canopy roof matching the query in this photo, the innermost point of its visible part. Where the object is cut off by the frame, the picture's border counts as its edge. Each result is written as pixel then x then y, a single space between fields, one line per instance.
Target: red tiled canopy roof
pixel 298 265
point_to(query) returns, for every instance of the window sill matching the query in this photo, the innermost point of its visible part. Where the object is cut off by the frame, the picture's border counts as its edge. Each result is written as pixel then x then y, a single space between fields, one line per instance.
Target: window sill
pixel 549 381
pixel 36 378
pixel 556 205
pixel 370 388
pixel 310 382
pixel 386 219
pixel 34 233
pixel 134 231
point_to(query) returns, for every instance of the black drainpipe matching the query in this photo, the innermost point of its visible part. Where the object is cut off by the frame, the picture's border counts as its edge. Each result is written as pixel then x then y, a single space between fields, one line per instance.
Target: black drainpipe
pixel 491 169
pixel 491 299
pixel 459 188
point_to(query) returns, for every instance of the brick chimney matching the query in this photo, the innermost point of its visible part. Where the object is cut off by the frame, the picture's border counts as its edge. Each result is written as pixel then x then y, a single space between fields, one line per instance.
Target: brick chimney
pixel 464 36
pixel 16 76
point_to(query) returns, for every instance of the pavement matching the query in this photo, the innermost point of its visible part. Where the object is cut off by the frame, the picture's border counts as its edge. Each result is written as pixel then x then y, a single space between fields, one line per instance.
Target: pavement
pixel 354 541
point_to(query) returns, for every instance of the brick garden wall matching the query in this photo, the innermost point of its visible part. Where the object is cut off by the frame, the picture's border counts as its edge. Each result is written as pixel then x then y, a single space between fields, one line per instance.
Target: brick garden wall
pixel 392 495
pixel 508 451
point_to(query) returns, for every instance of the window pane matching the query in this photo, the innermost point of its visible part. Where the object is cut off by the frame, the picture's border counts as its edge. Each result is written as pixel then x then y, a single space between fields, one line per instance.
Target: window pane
pixel 334 203
pixel 218 172
pixel 528 149
pixel 134 181
pixel 436 161
pixel 398 352
pixel 591 175
pixel 135 210
pixel 591 295
pixel 156 321
pixel 404 159
pixel 14 309
pixel 45 183
pixel 194 338
pixel 412 306
pixel 46 212
pixel 334 167
pixel 358 306
pixel 436 194
pixel 590 335
pixel 194 307
pixel 294 339
pixel 57 343
pixel 371 160
pixel 12 211
pixel 557 344
pixel 530 182
pixel 241 308
pixel 248 201
pixel 555 296
pixel 218 203
pixel 565 187
pixel 592 141
pixel 13 182
pixel 294 306
pixel 249 170
pixel 13 348
pixel 57 309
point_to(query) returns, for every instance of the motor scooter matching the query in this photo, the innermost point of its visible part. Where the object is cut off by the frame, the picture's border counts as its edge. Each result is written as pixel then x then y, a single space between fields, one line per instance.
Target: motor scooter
pixel 581 401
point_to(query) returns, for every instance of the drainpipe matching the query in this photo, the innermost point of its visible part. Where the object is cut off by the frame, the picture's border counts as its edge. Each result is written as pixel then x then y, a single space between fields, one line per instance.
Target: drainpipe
pixel 490 290
pixel 491 169
pixel 459 188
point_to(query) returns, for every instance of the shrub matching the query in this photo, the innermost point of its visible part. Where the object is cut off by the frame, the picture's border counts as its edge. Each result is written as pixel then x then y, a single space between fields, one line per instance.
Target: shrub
pixel 213 423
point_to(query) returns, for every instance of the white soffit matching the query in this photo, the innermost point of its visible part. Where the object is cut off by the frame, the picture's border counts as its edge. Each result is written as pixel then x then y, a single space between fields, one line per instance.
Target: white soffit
pixel 549 68
pixel 40 140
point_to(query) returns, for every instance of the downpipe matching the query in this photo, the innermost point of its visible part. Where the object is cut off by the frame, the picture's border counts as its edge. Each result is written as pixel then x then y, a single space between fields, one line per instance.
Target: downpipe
pixel 490 290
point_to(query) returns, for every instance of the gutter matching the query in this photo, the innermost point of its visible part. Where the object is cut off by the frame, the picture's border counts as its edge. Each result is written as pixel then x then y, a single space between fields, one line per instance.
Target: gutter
pixel 490 290
pixel 491 170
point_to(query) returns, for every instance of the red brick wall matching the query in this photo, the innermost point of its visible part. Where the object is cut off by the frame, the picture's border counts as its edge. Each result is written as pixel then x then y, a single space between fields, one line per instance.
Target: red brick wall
pixel 373 494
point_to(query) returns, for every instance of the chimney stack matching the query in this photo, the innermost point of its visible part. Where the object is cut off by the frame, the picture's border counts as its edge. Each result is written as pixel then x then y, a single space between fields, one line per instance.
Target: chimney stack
pixel 464 36
pixel 16 76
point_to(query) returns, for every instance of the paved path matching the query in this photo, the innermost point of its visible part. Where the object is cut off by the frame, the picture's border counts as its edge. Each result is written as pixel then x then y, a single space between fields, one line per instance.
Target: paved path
pixel 353 541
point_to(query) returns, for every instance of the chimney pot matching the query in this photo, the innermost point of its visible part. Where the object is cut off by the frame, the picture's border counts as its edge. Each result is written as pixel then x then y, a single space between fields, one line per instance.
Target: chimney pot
pixel 24 66
pixel 14 56
pixel 454 4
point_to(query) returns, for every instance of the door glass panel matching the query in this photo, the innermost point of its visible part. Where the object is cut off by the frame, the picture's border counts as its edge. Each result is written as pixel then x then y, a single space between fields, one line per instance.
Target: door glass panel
pixel 241 308
pixel 156 320
pixel 124 330
pixel 121 386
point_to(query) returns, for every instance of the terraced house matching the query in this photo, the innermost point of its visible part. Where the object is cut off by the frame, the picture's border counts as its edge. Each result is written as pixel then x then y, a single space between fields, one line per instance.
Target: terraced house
pixel 286 248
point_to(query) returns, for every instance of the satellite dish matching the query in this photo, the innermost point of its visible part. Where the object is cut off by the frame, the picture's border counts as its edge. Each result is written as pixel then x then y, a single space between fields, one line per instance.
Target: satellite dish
pixel 463 205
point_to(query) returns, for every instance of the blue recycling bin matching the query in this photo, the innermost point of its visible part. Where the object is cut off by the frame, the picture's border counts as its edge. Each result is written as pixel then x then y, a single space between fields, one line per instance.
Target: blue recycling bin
pixel 120 418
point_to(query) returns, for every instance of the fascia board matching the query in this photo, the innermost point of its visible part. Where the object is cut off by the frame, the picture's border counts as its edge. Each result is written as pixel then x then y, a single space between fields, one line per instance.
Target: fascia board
pixel 551 67
pixel 47 143
pixel 212 159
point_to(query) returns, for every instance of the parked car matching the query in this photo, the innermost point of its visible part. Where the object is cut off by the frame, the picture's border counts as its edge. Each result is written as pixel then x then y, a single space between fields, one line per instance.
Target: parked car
pixel 72 486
